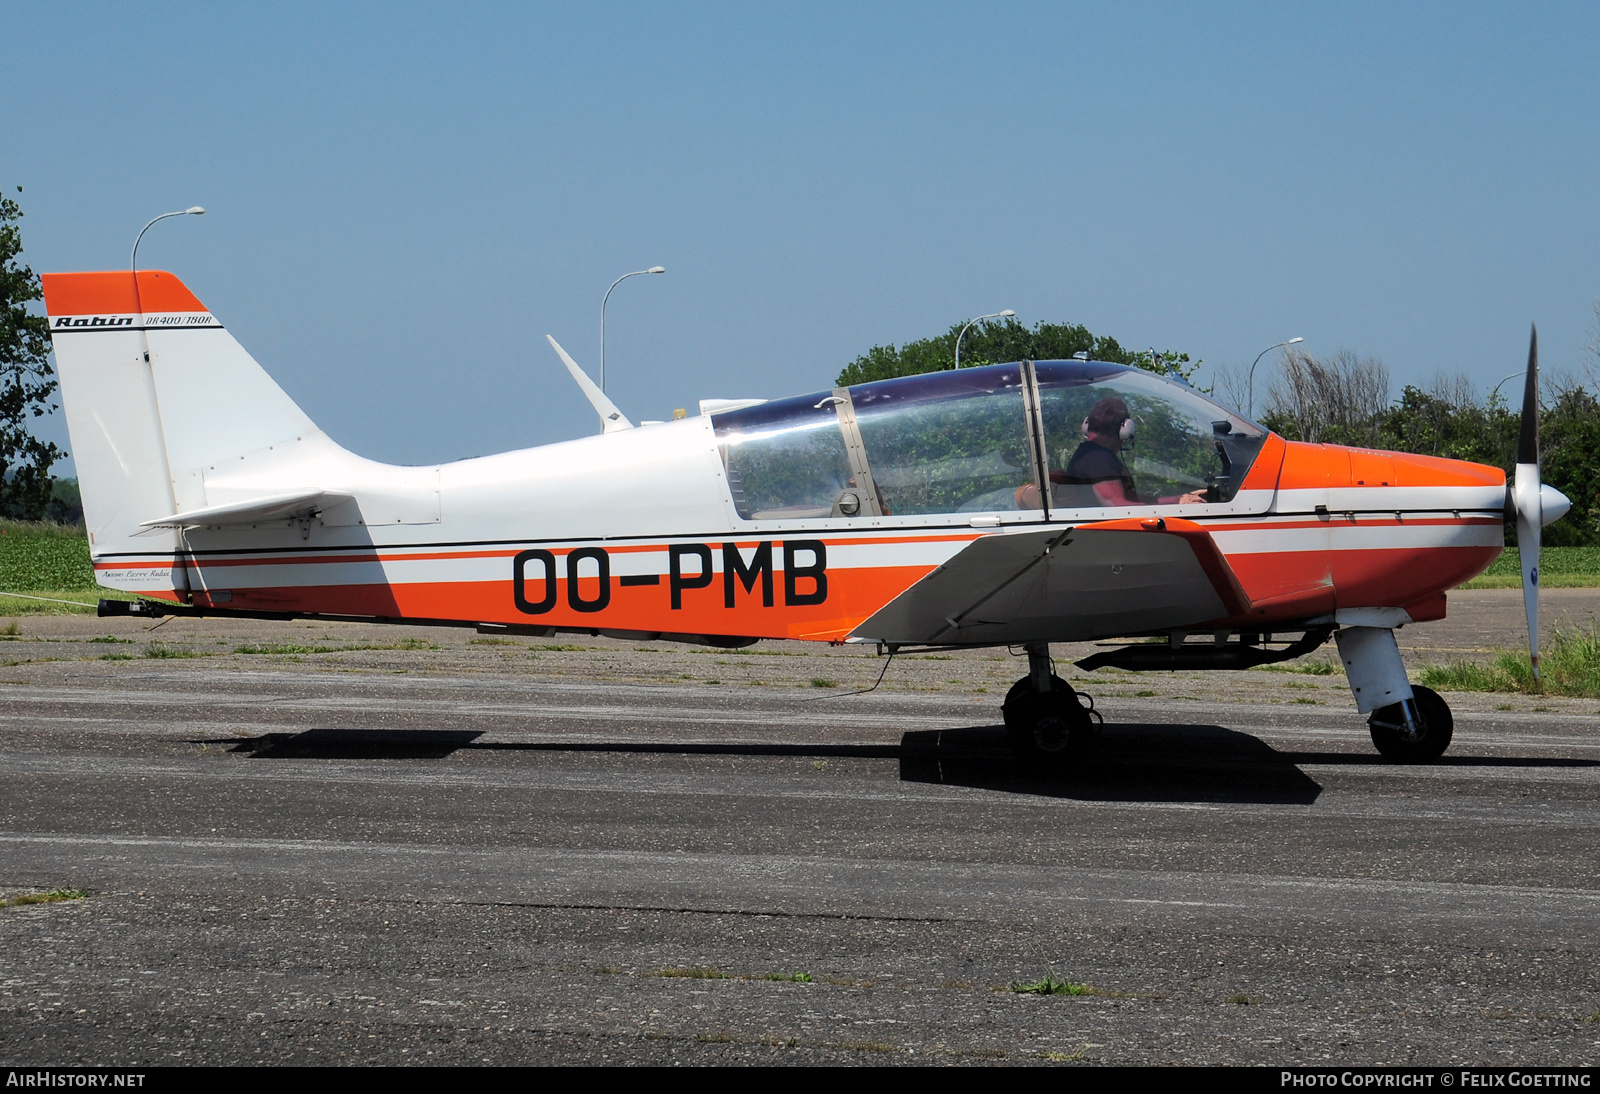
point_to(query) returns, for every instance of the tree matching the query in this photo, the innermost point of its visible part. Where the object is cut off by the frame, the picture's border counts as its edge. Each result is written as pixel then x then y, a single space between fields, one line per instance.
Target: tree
pixel 993 341
pixel 1332 400
pixel 26 379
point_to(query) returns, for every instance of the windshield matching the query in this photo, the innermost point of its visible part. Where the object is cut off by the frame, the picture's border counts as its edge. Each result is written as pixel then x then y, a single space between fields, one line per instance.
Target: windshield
pixel 1123 436
pixel 946 442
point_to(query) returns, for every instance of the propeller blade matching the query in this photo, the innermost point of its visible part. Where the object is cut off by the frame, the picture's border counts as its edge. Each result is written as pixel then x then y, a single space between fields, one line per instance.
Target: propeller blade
pixel 1527 500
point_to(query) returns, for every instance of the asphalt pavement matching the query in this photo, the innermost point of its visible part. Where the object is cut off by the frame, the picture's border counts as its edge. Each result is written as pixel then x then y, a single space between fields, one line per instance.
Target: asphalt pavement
pixel 330 843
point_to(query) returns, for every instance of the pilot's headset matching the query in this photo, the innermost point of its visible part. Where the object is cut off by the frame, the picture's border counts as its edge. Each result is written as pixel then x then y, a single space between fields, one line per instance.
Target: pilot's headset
pixel 1124 431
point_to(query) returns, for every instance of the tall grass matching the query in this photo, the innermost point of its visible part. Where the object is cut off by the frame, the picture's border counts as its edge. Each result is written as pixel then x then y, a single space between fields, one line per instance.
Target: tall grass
pixel 1570 665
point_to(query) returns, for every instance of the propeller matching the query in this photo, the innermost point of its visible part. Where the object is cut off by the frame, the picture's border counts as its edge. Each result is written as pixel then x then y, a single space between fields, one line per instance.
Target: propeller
pixel 1532 503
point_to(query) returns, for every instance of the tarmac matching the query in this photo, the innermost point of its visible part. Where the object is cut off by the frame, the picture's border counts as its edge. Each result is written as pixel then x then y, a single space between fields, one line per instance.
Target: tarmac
pixel 335 843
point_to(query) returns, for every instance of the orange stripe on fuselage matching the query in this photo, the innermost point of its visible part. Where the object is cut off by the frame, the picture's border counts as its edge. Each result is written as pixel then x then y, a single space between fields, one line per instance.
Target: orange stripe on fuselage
pixel 853 595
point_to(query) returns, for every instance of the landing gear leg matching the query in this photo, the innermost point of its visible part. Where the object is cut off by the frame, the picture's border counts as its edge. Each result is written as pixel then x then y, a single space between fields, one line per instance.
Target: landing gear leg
pixel 1044 719
pixel 1409 725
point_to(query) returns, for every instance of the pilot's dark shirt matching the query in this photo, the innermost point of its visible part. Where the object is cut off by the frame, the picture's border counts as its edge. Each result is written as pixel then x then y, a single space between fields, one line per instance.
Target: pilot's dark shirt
pixel 1090 464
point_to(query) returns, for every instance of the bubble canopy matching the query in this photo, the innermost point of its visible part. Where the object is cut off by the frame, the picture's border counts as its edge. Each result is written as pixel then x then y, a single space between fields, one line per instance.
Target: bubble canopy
pixel 1003 438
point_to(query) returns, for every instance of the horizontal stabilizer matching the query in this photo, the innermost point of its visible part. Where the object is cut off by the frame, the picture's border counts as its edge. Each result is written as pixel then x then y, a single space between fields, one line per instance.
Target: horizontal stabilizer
pixel 274 507
pixel 611 419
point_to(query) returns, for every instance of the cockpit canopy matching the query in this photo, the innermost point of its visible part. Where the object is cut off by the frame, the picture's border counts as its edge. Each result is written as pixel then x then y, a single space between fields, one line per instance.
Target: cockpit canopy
pixel 995 439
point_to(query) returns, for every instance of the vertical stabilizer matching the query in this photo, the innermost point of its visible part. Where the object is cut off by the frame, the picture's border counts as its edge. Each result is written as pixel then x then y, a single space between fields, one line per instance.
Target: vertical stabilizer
pixel 156 394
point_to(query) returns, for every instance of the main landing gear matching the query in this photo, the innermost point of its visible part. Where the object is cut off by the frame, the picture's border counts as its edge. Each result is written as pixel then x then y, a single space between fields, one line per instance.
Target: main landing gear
pixel 1046 720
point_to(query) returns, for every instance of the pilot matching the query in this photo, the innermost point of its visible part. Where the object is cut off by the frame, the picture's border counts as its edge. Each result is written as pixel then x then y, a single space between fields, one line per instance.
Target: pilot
pixel 1095 474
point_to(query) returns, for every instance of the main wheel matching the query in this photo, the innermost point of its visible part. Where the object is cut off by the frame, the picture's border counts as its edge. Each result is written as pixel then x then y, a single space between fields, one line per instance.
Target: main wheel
pixel 1397 743
pixel 1047 727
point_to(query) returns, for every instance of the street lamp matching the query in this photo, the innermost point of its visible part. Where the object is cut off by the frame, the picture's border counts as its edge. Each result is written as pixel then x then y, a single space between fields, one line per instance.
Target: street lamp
pixel 1252 385
pixel 614 284
pixel 133 263
pixel 1496 389
pixel 1007 314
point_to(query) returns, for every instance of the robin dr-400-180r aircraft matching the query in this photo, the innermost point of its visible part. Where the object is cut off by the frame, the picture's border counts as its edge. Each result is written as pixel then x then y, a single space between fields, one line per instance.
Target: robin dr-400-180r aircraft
pixel 1016 504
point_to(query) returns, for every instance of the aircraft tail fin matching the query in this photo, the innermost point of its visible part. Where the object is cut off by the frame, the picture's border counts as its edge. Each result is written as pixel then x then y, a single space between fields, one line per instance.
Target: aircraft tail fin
pixel 159 398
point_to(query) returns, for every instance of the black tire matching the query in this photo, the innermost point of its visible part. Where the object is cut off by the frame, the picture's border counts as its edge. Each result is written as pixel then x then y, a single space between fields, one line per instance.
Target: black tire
pixel 1046 728
pixel 1388 733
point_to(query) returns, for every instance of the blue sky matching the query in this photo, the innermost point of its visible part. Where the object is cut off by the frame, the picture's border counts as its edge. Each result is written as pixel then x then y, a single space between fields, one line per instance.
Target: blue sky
pixel 403 200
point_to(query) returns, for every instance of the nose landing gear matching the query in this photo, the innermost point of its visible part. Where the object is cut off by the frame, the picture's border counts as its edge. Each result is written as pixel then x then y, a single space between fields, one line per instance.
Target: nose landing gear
pixel 1046 720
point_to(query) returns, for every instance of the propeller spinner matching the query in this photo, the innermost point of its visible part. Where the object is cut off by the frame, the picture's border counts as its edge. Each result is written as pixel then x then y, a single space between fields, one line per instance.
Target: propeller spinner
pixel 1532 503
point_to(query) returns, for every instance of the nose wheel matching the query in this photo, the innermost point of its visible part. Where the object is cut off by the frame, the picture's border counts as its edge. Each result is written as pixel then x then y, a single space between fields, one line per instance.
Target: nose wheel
pixel 1420 740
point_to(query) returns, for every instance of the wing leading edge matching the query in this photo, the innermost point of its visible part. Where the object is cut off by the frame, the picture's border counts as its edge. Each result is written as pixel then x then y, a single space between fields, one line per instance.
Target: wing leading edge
pixel 1067 585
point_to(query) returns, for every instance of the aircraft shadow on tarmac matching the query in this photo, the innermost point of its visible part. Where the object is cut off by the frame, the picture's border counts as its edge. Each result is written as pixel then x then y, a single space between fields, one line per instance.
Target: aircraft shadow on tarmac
pixel 1131 762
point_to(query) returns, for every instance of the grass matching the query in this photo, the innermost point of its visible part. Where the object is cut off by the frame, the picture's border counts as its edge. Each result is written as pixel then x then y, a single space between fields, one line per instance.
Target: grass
pixel 283 648
pixel 1050 985
pixel 1559 568
pixel 697 972
pixel 822 682
pixel 1305 668
pixel 51 897
pixel 159 651
pixel 1066 1057
pixel 1243 1000
pixel 1570 665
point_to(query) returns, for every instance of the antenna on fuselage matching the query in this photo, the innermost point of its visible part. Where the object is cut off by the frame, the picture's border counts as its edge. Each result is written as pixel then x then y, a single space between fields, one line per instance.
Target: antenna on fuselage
pixel 611 419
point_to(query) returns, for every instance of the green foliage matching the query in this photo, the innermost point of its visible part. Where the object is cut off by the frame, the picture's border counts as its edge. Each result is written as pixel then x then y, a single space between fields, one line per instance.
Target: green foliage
pixel 51 897
pixel 66 502
pixel 1569 457
pixel 994 341
pixel 1569 666
pixel 1049 985
pixel 26 379
pixel 43 556
pixel 1553 561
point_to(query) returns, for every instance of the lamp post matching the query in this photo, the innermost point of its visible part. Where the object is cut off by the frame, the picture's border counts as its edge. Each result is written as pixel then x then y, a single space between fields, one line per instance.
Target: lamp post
pixel 1007 314
pixel 133 263
pixel 1496 389
pixel 614 284
pixel 1257 361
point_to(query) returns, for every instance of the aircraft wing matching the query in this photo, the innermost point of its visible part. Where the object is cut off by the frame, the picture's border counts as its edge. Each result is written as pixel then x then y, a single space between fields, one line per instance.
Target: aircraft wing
pixel 1067 585
pixel 272 507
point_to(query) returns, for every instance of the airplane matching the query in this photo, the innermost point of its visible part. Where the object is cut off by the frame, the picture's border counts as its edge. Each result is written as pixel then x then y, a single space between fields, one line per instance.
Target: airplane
pixel 1018 504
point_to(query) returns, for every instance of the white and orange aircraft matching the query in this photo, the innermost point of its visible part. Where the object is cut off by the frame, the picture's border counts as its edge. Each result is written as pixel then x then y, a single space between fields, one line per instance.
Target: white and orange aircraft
pixel 1016 504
